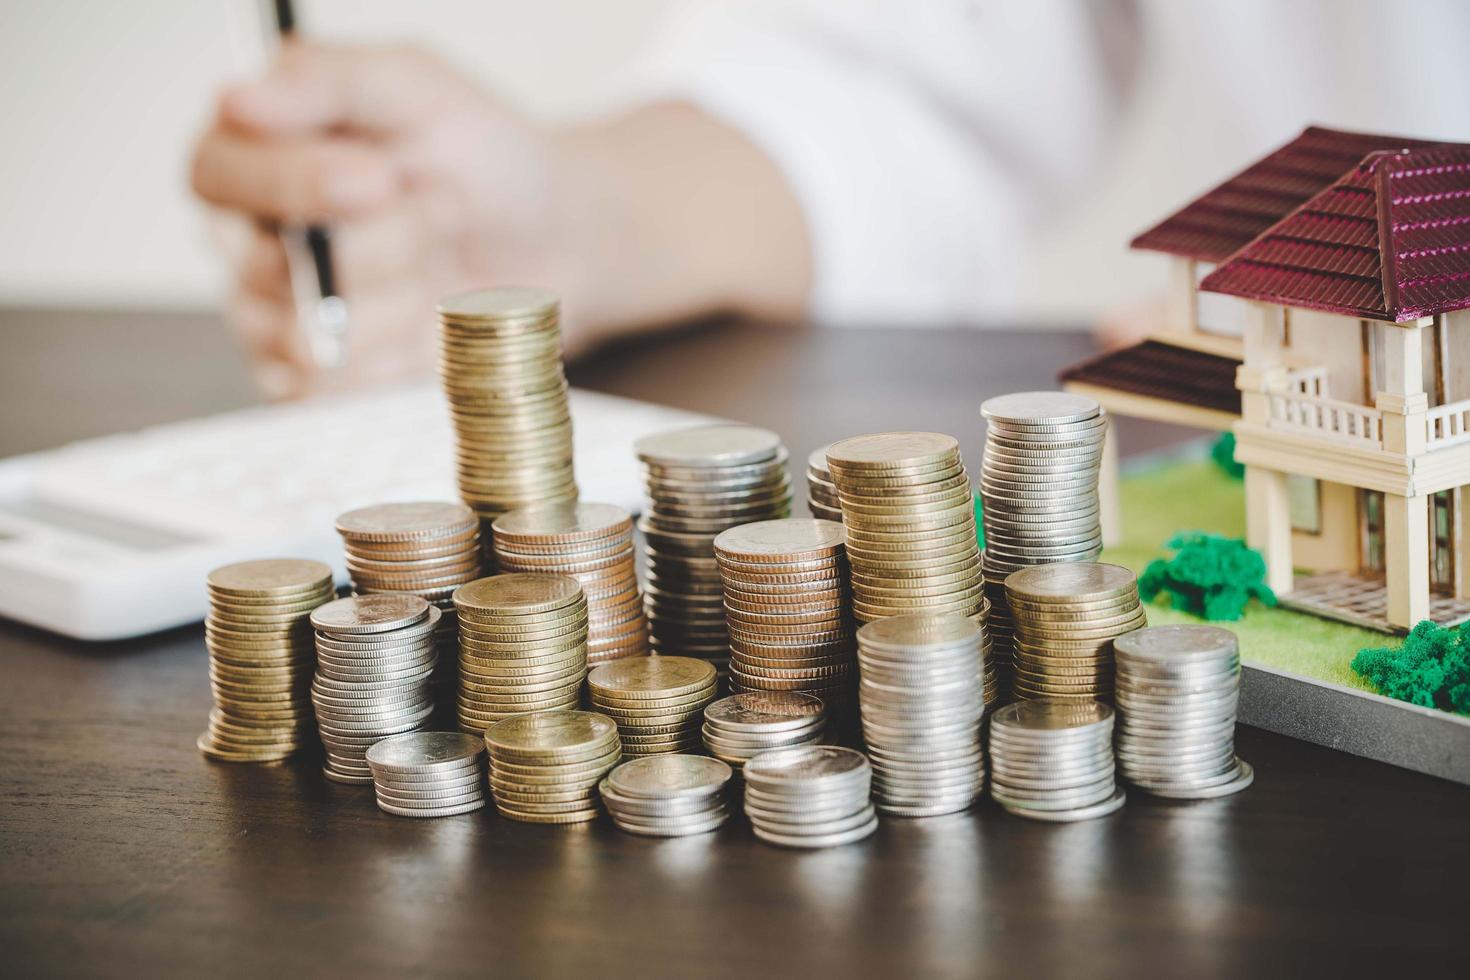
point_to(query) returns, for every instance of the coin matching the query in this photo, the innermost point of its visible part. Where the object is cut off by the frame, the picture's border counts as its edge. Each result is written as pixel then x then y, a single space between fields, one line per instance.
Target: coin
pixel 500 366
pixel 259 640
pixel 1178 692
pixel 554 538
pixel 545 765
pixel 799 797
pixel 1053 760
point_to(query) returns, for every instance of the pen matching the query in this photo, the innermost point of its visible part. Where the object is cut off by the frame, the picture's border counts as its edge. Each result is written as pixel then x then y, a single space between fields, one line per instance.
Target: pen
pixel 321 312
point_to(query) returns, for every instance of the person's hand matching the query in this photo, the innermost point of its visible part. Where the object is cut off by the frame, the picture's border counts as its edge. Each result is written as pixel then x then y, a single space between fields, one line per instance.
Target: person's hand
pixel 427 185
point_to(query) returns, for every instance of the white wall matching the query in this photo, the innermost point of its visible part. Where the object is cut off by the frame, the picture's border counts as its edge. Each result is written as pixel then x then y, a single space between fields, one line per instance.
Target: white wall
pixel 99 100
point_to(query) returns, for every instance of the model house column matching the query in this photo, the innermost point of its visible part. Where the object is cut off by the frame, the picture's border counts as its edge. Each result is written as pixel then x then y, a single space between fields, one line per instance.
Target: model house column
pixel 1402 401
pixel 1406 540
pixel 1263 371
pixel 1110 515
pixel 1268 524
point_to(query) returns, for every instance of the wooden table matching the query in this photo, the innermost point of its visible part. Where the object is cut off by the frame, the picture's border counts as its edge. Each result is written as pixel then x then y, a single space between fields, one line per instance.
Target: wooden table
pixel 123 853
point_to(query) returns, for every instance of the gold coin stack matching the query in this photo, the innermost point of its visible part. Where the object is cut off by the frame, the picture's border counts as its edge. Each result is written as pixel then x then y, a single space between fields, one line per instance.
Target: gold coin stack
pixel 700 481
pixel 657 701
pixel 423 548
pixel 522 646
pixel 501 369
pixel 910 524
pixel 545 766
pixel 261 657
pixel 1067 616
pixel 821 493
pixel 593 543
pixel 787 608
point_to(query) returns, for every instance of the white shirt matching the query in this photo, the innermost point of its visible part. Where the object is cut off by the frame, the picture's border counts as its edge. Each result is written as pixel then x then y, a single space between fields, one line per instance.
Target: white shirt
pixel 930 142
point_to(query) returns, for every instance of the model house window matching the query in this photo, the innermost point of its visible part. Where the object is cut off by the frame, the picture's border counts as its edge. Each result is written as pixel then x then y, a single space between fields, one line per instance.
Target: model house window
pixel 1441 542
pixel 1370 509
pixel 1304 503
pixel 1215 312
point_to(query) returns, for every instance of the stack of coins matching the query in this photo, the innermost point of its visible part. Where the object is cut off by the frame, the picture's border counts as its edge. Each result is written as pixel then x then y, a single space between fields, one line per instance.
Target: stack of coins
pixel 375 655
pixel 1038 483
pixel 701 481
pixel 522 646
pixel 426 548
pixel 821 493
pixel 1067 616
pixel 429 774
pixel 1178 690
pixel 500 364
pixel 656 701
pixel 923 702
pixel 1053 760
pixel 810 796
pixel 593 543
pixel 261 658
pixel 545 766
pixel 787 609
pixel 742 726
pixel 910 524
pixel 667 795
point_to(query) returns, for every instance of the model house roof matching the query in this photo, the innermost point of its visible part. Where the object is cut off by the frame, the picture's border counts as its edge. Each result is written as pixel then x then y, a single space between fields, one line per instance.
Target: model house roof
pixel 1388 241
pixel 1214 226
pixel 1160 370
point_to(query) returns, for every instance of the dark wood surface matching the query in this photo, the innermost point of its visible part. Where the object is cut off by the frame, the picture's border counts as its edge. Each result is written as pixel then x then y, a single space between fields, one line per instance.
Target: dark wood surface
pixel 123 853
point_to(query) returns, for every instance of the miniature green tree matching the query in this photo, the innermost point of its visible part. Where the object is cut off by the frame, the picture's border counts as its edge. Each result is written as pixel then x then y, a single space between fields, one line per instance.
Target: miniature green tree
pixel 1223 453
pixel 979 520
pixel 1430 668
pixel 1209 575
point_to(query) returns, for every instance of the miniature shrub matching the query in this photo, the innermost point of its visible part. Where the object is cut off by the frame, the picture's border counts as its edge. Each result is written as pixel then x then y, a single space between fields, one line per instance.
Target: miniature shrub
pixel 1223 453
pixel 1430 668
pixel 1209 575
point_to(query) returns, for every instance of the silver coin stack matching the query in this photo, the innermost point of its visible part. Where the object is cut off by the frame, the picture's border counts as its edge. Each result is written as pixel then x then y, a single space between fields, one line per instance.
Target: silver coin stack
pixel 923 702
pixel 1038 482
pixel 1053 760
pixel 787 608
pixel 742 726
pixel 821 493
pixel 523 646
pixel 699 482
pixel 667 795
pixel 500 367
pixel 429 774
pixel 424 548
pixel 810 796
pixel 593 543
pixel 1066 617
pixel 910 518
pixel 375 656
pixel 1178 691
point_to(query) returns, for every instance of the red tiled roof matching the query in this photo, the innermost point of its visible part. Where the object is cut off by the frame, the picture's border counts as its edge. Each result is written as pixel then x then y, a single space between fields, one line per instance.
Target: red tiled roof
pixel 1216 225
pixel 1389 241
pixel 1162 370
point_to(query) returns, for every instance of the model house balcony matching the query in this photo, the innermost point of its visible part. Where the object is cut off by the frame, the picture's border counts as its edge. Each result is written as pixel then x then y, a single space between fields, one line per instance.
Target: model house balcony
pixel 1305 407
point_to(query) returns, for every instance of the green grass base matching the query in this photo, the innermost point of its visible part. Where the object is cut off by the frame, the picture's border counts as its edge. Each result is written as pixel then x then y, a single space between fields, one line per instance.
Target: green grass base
pixel 1196 495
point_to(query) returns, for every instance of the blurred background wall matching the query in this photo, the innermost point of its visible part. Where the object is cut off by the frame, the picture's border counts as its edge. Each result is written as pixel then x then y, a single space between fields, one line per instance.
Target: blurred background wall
pixel 101 101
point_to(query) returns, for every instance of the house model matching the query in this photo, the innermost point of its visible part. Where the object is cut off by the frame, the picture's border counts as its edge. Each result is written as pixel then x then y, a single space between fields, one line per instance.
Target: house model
pixel 1329 284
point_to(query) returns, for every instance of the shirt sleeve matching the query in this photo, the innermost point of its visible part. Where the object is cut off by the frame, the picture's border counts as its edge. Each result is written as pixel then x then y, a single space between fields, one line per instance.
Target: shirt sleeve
pixel 923 140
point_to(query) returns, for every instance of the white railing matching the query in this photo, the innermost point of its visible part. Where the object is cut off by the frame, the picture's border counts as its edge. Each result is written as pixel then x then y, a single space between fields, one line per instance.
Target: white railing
pixel 1449 425
pixel 1310 381
pixel 1328 418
